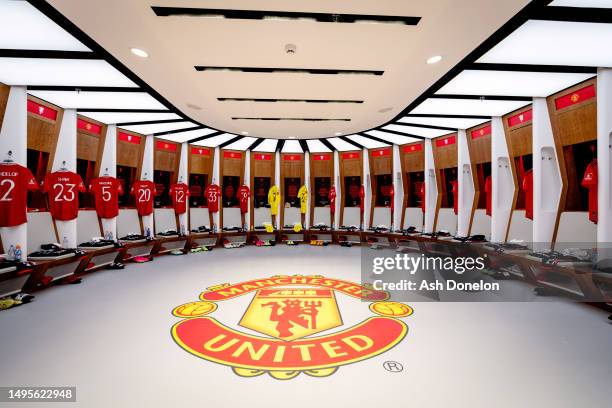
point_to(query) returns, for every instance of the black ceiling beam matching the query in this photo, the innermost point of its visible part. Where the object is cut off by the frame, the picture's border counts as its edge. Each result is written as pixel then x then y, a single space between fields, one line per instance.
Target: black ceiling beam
pixel 280 144
pixel 255 144
pixel 418 125
pixel 403 134
pixel 435 115
pixel 96 110
pixel 273 70
pixel 510 26
pixel 53 54
pixel 376 139
pixel 531 68
pixel 151 122
pixel 229 142
pixel 167 132
pixel 304 145
pixel 483 97
pixel 347 140
pixel 84 88
pixel 197 139
pixel 575 14
pixel 263 14
pixel 327 144
pixel 289 100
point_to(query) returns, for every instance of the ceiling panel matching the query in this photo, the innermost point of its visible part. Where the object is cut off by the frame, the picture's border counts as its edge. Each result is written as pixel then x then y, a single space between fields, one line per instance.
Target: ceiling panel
pixel 510 83
pixel 315 146
pixel 241 144
pixel 555 43
pixel 215 140
pixel 23 27
pixel 268 145
pixel 457 123
pixel 60 72
pixel 160 127
pixel 365 142
pixel 582 3
pixel 99 100
pixel 128 117
pixel 392 138
pixel 292 146
pixel 181 137
pixel 467 107
pixel 341 145
pixel 416 131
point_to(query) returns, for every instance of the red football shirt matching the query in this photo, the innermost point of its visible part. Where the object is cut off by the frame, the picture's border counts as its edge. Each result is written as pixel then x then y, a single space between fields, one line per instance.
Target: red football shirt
pixel 528 189
pixel 212 194
pixel 455 185
pixel 332 199
pixel 423 197
pixel 63 188
pixel 489 193
pixel 361 198
pixel 144 191
pixel 15 181
pixel 179 193
pixel 589 181
pixel 243 195
pixel 106 191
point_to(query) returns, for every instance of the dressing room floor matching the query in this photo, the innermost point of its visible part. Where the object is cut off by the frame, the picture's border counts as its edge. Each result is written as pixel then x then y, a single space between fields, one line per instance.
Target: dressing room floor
pixel 111 338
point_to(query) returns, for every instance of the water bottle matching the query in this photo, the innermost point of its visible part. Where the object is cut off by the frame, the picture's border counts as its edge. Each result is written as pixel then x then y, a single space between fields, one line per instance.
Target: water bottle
pixel 18 253
pixel 148 232
pixel 11 253
pixel 65 242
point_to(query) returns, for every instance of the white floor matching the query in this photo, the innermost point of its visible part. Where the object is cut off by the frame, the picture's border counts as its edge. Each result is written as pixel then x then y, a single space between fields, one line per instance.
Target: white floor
pixel 110 337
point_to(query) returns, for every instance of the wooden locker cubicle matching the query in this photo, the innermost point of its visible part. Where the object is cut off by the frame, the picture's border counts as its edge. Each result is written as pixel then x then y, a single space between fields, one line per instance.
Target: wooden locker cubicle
pixel 351 177
pixel 200 169
pixel 412 157
pixel 292 177
pixel 445 160
pixel 231 170
pixel 479 146
pixel 321 180
pixel 381 181
pixel 262 178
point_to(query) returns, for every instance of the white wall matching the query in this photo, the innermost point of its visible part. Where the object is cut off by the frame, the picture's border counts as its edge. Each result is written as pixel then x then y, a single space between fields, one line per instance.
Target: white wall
pixel 604 160
pixel 547 183
pixel 14 137
pixel 431 188
pixel 398 189
pixel 147 173
pixel 247 182
pixel 338 185
pixel 307 184
pixel 466 186
pixel 108 165
pixel 502 178
pixel 183 177
pixel 367 182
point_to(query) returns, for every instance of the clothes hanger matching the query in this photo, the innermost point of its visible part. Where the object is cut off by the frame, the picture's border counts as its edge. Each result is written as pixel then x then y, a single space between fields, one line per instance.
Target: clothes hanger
pixel 63 168
pixel 9 158
pixel 106 172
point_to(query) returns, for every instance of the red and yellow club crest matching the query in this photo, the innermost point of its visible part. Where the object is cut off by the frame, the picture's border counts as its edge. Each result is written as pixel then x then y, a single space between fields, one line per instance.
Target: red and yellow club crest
pixel 290 312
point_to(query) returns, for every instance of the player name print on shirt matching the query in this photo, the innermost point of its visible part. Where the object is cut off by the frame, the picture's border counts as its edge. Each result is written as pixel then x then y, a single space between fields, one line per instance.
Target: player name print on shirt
pixel 15 182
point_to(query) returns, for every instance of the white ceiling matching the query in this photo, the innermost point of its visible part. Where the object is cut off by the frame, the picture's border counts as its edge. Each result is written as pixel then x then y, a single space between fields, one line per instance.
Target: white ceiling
pixel 177 44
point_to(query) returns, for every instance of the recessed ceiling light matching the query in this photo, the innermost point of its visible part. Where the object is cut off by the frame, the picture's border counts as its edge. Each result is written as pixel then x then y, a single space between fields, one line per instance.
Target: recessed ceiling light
pixel 139 53
pixel 434 59
pixel 383 110
pixel 291 137
pixel 245 133
pixel 338 133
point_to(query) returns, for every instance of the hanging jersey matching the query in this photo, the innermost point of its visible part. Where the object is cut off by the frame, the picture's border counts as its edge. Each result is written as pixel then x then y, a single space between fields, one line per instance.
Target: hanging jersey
pixel 303 196
pixel 212 193
pixel 589 181
pixel 179 193
pixel 273 200
pixel 361 198
pixel 144 191
pixel 244 193
pixel 528 189
pixel 15 181
pixel 106 191
pixel 332 199
pixel 422 192
pixel 63 188
pixel 489 194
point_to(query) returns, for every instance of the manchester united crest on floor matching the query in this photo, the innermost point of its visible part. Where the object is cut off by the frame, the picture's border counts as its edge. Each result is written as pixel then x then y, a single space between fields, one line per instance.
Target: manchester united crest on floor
pixel 289 311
